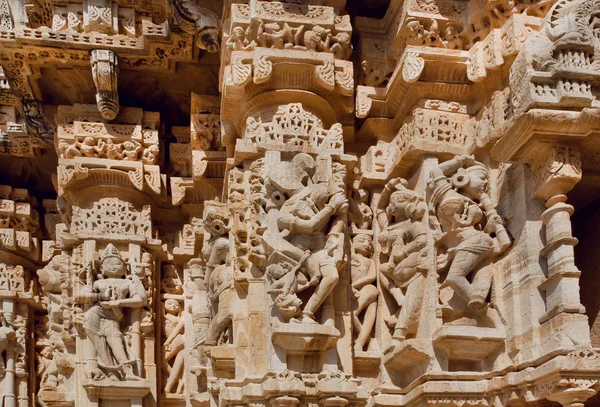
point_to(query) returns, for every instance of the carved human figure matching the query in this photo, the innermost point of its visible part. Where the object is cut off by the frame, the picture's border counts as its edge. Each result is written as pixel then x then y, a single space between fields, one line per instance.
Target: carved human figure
pixel 271 35
pixel 317 39
pixel 458 204
pixel 307 227
pixel 215 249
pixel 360 214
pixel 114 151
pixel 364 292
pixel 403 239
pixel 341 47
pixel 218 274
pixel 88 146
pixel 7 336
pixel 238 40
pixel 220 294
pixel 150 155
pixel 199 306
pixel 453 40
pixel 55 364
pixel 131 150
pixel 109 295
pixel 416 33
pixel 174 344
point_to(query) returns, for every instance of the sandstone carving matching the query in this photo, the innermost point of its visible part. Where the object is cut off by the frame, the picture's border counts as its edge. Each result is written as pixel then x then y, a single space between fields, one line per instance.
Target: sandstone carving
pixel 299 203
pixel 403 239
pixel 109 296
pixel 458 202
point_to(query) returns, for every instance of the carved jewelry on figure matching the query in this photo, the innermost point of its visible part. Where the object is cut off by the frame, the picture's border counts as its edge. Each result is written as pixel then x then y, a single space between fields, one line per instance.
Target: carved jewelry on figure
pixel 403 239
pixel 302 245
pixel 469 231
pixel 113 291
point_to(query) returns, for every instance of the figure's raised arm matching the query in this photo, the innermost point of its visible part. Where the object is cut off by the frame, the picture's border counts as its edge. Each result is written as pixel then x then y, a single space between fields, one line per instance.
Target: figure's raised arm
pixel 384 200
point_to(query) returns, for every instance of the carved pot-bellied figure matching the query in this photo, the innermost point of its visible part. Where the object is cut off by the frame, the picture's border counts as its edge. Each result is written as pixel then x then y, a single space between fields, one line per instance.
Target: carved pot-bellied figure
pixel 102 321
pixel 459 203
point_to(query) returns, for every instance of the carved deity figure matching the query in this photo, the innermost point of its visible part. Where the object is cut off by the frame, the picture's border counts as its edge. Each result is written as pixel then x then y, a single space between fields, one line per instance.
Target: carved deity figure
pixel 403 239
pixel 307 234
pixel 364 292
pixel 218 273
pixel 459 204
pixel 112 292
pixel 174 344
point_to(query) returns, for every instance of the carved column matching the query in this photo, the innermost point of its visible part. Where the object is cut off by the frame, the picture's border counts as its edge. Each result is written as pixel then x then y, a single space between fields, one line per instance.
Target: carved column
pixel 103 275
pixel 553 178
pixel 19 293
pixel 105 71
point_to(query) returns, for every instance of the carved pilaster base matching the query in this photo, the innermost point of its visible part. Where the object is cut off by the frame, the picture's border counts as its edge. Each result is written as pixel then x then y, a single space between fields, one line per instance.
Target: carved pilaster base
pixel 300 338
pixel 406 355
pixel 115 390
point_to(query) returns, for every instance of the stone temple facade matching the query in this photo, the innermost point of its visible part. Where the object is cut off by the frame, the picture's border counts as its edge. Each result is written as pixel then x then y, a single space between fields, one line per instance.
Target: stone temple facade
pixel 299 203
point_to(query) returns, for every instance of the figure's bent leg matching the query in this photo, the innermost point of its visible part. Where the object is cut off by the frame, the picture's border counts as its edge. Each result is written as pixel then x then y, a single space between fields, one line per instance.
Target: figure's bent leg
pixel 408 320
pixel 368 294
pixel 222 319
pixel 117 347
pixel 464 262
pixel 175 373
pixel 328 281
pixel 176 346
pixel 367 327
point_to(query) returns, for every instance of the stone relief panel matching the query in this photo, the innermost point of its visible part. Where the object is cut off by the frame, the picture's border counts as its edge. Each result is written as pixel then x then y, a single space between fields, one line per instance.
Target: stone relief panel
pixel 280 248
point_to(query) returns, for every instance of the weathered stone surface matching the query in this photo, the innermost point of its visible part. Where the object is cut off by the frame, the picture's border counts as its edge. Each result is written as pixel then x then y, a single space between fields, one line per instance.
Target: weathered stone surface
pixel 295 204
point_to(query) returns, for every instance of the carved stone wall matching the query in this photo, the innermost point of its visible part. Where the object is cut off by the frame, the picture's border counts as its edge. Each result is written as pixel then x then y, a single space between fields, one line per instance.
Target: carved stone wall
pixel 295 204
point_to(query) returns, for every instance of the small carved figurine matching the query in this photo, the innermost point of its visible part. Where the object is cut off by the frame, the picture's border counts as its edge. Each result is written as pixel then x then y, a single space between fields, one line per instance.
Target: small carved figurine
pixel 174 344
pixel 364 292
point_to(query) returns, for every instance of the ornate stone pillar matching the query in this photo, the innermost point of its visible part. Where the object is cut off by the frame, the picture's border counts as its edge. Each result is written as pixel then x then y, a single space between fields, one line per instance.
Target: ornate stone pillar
pixel 19 293
pixel 553 178
pixel 102 277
